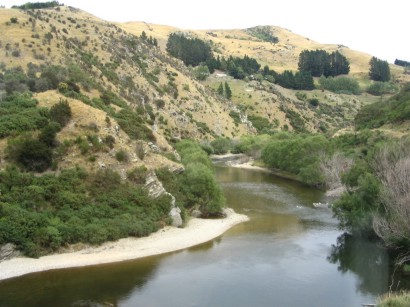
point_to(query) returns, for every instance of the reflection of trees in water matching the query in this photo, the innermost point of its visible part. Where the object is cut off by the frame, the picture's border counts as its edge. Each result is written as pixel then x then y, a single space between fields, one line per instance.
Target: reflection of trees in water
pixel 102 285
pixel 366 259
pixel 105 284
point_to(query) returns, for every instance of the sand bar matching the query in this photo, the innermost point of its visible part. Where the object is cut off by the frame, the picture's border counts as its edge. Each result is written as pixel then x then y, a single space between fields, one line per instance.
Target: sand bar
pixel 165 240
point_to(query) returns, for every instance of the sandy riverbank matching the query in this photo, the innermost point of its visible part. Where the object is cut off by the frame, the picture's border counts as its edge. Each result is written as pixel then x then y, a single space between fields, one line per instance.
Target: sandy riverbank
pixel 166 240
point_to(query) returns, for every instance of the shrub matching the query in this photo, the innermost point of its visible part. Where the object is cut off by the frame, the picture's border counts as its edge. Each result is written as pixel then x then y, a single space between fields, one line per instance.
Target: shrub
pixel 314 102
pixel 261 124
pixel 221 146
pixel 18 113
pixel 378 88
pixel 133 125
pixel 344 85
pixel 122 156
pixel 109 140
pixel 31 154
pixel 48 134
pixel 61 113
pixel 137 175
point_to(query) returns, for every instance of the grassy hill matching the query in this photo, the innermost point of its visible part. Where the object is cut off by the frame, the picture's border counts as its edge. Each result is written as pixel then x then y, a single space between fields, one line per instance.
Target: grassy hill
pixel 97 110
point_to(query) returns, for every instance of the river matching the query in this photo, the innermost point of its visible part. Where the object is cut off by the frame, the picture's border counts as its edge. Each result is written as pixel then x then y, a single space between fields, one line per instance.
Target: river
pixel 288 254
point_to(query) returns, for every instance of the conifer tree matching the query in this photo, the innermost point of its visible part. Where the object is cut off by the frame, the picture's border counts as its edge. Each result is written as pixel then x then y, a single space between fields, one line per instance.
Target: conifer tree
pixel 221 89
pixel 228 92
pixel 379 70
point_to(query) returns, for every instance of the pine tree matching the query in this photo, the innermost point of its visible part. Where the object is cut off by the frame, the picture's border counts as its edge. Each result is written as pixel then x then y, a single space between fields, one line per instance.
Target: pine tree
pixel 228 92
pixel 221 89
pixel 379 70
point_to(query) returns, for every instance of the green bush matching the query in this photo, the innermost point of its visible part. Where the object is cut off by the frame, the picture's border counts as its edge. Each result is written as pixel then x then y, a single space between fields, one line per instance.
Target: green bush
pixel 61 113
pixel 261 124
pixel 19 113
pixel 31 154
pixel 134 126
pixel 41 214
pixel 379 88
pixel 221 146
pixel 297 154
pixel 395 110
pixel 197 185
pixel 137 175
pixel 122 156
pixel 344 85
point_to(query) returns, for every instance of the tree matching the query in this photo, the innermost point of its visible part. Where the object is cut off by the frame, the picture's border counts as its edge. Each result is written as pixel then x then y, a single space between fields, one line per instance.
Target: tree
pixel 221 89
pixel 339 64
pixel 379 70
pixel 228 92
pixel 319 62
pixel 201 72
pixel 192 51
pixel 61 113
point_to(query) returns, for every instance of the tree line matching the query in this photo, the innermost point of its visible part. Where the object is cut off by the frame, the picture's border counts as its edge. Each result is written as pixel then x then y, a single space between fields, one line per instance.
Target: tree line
pixel 36 5
pixel 321 63
pixel 402 63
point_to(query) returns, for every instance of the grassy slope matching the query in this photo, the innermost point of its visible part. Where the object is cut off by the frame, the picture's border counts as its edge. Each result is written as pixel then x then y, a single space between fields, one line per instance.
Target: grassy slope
pixel 281 56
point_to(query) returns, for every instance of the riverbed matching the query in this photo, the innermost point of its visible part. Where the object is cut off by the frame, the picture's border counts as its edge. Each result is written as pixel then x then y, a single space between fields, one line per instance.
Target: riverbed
pixel 289 254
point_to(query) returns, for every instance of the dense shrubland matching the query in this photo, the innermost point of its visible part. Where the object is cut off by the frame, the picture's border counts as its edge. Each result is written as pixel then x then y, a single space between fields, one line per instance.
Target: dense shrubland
pixel 395 110
pixel 40 214
pixel 196 188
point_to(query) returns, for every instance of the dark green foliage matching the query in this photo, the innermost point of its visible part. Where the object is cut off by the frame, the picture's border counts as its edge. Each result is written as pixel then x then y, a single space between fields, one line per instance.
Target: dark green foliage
pixel 236 117
pixel 109 97
pixel 379 88
pixel 61 113
pixel 220 89
pixel 298 81
pixel 379 70
pixel 192 51
pixel 239 68
pixel 402 63
pixel 14 20
pixel 15 80
pixel 150 40
pixel 319 62
pixel 197 183
pixel 314 102
pixel 41 214
pixel 228 91
pixel 134 126
pixel 48 134
pixel 297 122
pixel 36 5
pixel 297 154
pixel 137 175
pixel 261 124
pixel 19 113
pixel 221 145
pixel 340 85
pixel 395 110
pixel 32 154
pixel 355 209
pixel 122 156
pixel 110 141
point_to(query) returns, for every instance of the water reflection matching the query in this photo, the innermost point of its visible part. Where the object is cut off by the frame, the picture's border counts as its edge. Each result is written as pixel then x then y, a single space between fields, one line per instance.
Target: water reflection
pixel 366 259
pixel 104 284
pixel 282 257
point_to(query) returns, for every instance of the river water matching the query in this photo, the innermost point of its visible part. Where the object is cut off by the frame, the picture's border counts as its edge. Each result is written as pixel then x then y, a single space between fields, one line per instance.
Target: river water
pixel 288 254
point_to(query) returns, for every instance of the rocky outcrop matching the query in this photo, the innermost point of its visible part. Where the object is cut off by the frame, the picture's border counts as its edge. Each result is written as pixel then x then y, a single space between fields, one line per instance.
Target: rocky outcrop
pixel 156 189
pixel 8 251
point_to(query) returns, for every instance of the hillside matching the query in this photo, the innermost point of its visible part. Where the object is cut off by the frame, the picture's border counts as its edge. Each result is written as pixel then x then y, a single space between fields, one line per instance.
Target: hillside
pixel 105 115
